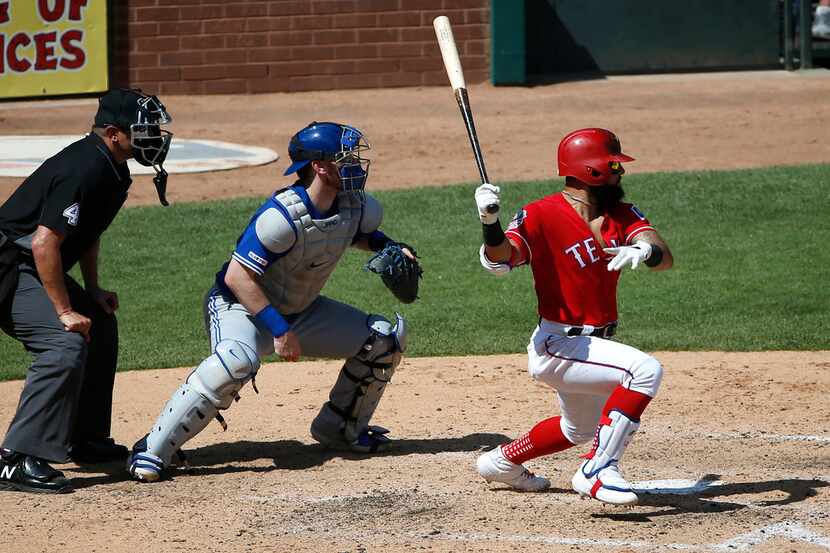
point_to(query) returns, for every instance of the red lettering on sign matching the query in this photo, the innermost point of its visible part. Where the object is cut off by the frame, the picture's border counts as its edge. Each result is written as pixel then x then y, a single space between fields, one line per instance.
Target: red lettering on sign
pixel 75 9
pixel 71 43
pixel 45 51
pixel 4 14
pixel 15 63
pixel 44 58
pixel 51 15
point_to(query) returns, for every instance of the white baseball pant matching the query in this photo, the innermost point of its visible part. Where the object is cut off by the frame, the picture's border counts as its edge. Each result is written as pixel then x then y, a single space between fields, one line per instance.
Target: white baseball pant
pixel 584 370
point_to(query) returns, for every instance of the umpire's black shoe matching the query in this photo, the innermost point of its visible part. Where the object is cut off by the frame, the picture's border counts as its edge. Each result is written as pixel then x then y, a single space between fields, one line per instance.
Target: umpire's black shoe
pixel 91 452
pixel 30 474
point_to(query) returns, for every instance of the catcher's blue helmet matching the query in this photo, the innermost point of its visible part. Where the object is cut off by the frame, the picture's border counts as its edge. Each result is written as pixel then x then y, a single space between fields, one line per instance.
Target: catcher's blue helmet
pixel 334 142
pixel 323 141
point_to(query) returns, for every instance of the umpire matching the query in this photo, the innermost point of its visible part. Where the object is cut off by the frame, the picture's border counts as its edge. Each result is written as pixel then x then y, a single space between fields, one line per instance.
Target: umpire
pixel 53 221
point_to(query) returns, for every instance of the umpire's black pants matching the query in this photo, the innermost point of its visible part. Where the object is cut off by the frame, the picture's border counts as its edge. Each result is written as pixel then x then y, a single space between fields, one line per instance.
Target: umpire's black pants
pixel 67 396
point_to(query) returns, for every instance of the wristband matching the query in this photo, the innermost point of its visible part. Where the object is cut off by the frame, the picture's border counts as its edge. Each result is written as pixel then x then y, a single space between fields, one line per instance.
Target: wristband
pixel 272 319
pixel 378 240
pixel 493 234
pixel 656 256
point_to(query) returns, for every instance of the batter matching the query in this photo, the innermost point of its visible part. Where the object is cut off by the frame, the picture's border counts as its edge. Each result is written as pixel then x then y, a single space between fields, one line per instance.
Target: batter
pixel 576 242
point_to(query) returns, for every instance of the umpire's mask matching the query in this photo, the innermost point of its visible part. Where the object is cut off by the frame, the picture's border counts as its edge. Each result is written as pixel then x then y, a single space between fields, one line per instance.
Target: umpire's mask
pixel 141 116
pixel 150 142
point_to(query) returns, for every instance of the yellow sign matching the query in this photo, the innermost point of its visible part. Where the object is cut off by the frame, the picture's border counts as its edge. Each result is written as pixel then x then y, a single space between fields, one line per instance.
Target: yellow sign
pixel 52 47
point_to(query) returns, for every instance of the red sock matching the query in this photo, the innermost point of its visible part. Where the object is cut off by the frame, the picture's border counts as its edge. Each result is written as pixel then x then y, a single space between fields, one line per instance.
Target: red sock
pixel 628 402
pixel 543 439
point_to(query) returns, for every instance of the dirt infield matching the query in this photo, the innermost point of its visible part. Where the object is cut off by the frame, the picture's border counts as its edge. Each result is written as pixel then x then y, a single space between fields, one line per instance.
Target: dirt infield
pixel 734 449
pixel 736 445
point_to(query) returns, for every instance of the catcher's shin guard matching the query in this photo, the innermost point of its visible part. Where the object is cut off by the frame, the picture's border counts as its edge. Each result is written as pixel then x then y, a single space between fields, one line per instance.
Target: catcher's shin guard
pixel 211 387
pixel 343 421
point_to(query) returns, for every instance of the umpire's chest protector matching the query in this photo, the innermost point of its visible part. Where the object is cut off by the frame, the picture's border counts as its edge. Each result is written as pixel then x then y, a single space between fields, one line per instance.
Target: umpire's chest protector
pixel 296 279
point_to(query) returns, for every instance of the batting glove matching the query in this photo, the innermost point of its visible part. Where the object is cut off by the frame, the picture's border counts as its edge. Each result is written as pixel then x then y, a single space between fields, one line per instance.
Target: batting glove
pixel 488 195
pixel 625 255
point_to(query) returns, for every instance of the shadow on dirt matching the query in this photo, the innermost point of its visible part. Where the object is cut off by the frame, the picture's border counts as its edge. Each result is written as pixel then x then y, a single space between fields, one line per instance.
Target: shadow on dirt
pixel 287 455
pixel 682 502
pixel 294 455
pixel 104 473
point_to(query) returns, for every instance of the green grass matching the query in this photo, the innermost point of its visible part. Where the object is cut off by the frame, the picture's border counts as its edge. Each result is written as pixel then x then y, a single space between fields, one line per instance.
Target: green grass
pixel 750 249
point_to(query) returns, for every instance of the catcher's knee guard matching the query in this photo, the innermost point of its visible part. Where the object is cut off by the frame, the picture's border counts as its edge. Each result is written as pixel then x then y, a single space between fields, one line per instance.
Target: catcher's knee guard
pixel 343 421
pixel 212 386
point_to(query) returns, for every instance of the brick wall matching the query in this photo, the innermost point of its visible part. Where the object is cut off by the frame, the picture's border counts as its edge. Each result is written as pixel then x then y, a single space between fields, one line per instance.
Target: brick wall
pixel 250 46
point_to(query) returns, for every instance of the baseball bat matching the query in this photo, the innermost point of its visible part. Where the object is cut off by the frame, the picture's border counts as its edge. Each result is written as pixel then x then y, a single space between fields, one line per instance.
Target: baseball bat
pixel 452 63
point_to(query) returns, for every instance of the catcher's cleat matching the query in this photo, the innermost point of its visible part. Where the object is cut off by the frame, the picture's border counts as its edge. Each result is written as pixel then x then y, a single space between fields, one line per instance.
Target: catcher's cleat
pixel 493 466
pixel 143 466
pixel 372 440
pixel 30 474
pixel 605 484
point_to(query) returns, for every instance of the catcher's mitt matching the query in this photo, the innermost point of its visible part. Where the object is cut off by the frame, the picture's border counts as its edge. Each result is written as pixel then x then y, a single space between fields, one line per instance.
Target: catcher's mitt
pixel 397 271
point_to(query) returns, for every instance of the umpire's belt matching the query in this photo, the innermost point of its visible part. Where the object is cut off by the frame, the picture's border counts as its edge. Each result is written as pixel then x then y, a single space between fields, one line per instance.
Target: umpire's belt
pixel 605 331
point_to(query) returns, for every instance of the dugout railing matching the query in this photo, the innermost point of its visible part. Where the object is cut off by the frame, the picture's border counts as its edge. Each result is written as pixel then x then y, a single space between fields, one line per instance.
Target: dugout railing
pixel 798 16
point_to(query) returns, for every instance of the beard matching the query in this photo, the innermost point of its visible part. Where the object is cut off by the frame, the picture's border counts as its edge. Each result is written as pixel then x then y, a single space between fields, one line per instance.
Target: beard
pixel 607 196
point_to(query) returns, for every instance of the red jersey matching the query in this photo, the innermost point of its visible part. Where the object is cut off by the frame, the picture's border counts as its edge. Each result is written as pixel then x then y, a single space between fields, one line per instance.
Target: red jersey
pixel 570 274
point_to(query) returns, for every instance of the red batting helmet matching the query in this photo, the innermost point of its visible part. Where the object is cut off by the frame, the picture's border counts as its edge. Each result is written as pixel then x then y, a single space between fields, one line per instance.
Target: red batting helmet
pixel 587 155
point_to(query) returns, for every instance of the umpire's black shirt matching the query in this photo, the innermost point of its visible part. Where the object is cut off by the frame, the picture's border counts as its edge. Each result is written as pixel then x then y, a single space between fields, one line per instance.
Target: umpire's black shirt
pixel 77 193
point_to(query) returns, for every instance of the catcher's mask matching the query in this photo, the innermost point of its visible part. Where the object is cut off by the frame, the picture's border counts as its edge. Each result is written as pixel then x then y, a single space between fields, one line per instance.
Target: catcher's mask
pixel 141 117
pixel 341 144
pixel 591 156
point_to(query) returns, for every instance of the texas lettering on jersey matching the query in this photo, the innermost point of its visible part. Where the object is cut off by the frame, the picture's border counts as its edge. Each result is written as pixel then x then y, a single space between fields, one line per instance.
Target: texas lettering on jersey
pixel 573 285
pixel 588 248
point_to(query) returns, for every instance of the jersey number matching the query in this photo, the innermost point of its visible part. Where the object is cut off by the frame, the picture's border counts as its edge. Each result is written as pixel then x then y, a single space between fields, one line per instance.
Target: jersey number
pixel 72 213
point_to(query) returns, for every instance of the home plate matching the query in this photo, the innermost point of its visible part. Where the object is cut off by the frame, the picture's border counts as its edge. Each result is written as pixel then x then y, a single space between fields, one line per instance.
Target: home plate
pixel 21 155
pixel 674 487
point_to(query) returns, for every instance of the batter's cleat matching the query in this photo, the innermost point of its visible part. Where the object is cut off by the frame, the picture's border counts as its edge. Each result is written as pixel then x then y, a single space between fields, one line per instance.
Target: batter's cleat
pixel 98 451
pixel 606 484
pixel 30 474
pixel 373 439
pixel 493 466
pixel 143 466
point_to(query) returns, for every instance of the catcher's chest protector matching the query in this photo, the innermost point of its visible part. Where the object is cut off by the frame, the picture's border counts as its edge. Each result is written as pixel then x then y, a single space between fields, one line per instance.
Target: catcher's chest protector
pixel 295 280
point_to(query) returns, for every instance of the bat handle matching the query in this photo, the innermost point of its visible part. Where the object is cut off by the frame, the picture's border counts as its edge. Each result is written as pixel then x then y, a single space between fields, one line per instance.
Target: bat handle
pixel 492 208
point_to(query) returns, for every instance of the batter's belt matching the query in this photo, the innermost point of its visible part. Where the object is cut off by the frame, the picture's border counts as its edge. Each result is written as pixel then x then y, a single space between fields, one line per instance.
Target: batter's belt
pixel 604 331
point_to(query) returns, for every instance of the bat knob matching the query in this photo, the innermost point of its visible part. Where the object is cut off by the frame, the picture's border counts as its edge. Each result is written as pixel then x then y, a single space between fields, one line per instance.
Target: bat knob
pixel 492 208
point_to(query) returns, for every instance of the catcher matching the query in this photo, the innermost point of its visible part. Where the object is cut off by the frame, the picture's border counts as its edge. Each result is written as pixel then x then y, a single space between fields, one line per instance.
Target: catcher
pixel 266 299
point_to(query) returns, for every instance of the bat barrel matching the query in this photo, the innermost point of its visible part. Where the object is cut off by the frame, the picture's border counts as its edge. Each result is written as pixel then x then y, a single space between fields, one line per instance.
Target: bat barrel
pixel 452 63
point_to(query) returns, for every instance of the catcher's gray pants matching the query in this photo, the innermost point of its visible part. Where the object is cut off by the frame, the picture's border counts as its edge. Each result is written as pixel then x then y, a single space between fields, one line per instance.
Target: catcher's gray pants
pixel 67 396
pixel 327 328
